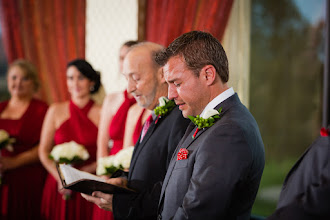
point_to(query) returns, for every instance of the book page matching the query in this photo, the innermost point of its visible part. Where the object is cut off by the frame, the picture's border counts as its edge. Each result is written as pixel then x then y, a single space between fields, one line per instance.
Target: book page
pixel 71 174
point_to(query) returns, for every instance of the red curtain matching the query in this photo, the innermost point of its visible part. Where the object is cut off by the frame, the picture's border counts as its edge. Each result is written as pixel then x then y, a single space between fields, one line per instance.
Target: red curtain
pixel 166 20
pixel 49 34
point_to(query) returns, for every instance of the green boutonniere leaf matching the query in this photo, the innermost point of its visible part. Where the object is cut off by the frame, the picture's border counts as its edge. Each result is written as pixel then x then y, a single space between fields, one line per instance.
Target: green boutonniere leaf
pixel 202 122
pixel 165 106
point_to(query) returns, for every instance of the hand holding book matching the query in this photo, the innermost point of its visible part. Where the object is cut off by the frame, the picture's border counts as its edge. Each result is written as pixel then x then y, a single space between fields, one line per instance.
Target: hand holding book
pixel 87 183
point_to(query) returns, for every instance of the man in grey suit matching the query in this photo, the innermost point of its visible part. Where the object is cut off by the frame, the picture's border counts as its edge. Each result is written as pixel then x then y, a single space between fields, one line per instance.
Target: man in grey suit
pixel 216 169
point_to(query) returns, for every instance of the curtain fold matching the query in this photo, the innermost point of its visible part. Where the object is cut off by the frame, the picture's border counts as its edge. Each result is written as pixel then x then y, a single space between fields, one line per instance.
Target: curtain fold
pixel 49 34
pixel 166 20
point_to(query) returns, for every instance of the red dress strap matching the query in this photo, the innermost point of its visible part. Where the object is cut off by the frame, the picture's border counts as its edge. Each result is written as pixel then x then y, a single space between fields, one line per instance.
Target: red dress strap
pixel 75 109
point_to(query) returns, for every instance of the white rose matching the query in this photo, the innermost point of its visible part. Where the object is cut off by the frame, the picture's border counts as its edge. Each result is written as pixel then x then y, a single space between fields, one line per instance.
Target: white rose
pixel 103 163
pixel 209 113
pixel 123 158
pixel 3 135
pixel 162 101
pixel 69 150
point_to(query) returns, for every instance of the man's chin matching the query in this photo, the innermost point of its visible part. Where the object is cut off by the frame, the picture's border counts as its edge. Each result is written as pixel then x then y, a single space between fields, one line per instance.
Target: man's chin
pixel 185 113
pixel 143 104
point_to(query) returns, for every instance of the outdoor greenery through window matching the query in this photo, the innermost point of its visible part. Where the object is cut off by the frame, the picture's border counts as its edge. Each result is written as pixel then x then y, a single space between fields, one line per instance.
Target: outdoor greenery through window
pixel 287 55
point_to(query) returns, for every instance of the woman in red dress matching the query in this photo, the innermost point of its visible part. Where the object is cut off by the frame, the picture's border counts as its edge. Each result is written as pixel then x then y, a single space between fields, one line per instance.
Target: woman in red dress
pixel 74 120
pixel 21 116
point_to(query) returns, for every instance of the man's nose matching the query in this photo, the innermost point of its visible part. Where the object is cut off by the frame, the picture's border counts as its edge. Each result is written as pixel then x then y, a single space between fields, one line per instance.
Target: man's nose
pixel 131 86
pixel 172 93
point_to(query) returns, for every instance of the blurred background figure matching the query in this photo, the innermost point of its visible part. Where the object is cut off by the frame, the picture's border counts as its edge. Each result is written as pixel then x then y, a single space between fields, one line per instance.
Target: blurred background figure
pixel 74 120
pixel 114 114
pixel 136 117
pixel 22 116
pixel 114 128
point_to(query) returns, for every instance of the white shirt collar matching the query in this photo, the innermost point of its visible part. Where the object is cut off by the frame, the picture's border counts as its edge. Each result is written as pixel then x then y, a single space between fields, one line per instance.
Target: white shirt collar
pixel 220 98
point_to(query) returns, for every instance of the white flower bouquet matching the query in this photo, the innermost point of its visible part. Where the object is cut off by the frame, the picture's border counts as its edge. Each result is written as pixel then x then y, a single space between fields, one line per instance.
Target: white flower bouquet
pixel 120 161
pixel 6 141
pixel 69 152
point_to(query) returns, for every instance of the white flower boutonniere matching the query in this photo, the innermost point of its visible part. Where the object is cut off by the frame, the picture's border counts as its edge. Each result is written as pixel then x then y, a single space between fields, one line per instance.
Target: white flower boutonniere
pixel 165 106
pixel 206 120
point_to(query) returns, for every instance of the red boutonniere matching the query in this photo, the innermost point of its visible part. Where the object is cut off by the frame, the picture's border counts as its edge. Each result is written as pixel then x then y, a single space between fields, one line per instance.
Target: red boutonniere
pixel 183 154
pixel 324 132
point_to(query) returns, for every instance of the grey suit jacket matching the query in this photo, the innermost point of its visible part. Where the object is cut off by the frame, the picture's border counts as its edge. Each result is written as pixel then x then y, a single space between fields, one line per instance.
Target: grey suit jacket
pixel 306 190
pixel 221 176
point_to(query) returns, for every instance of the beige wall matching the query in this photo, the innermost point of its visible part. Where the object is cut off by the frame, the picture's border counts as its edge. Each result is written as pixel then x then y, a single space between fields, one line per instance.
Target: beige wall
pixel 109 23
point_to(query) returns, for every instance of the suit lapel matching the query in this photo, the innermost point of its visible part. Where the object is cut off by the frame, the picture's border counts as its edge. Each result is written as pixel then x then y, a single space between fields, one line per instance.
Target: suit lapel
pixel 187 139
pixel 294 168
pixel 139 146
pixel 185 142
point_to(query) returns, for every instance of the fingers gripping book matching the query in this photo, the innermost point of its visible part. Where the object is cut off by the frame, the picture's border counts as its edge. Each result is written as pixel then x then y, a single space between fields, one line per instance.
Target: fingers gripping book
pixel 87 183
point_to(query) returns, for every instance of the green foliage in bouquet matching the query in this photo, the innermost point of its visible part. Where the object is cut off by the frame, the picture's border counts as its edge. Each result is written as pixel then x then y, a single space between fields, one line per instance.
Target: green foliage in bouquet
pixel 111 170
pixel 75 160
pixel 5 143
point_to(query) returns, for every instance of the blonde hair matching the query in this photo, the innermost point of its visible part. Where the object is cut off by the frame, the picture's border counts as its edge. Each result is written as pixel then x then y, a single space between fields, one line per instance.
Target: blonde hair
pixel 29 69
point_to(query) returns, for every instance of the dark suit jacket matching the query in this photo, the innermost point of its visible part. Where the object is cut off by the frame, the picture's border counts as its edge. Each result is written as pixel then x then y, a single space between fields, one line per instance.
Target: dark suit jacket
pixel 221 176
pixel 148 167
pixel 306 190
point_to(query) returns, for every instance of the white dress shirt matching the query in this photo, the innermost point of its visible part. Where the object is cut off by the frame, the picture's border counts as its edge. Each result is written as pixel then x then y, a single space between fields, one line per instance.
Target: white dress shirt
pixel 220 98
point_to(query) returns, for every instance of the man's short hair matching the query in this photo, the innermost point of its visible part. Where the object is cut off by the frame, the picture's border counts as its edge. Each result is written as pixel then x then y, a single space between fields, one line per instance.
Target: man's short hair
pixel 198 49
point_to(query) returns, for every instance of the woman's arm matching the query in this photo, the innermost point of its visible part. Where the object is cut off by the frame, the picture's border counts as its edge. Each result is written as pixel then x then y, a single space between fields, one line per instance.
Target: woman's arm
pixel 109 108
pixel 46 141
pixel 27 157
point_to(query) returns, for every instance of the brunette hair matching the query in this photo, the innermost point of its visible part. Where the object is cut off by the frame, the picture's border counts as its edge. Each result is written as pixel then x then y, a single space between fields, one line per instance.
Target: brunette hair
pixel 88 71
pixel 198 50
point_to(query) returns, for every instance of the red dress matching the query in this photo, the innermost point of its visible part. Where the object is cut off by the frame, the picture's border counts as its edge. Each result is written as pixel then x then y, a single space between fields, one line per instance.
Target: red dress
pixel 118 122
pixel 82 130
pixel 116 133
pixel 21 189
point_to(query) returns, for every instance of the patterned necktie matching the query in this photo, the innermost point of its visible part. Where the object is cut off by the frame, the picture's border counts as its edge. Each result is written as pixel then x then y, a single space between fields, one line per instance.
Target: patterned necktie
pixel 146 126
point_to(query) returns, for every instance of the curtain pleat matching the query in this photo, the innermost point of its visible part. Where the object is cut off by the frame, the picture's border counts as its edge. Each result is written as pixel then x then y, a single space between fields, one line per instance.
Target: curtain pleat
pixel 49 34
pixel 166 20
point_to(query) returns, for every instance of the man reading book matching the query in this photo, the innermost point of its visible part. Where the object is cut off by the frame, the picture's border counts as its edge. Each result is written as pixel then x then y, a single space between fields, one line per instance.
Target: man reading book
pixel 154 149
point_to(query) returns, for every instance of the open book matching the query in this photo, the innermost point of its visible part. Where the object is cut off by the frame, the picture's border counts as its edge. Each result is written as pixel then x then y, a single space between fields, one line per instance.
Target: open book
pixel 87 183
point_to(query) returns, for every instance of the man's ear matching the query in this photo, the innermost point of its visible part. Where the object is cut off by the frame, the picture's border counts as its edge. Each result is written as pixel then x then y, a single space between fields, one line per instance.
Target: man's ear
pixel 208 74
pixel 160 74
